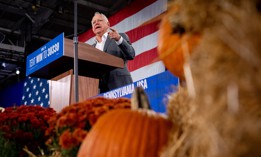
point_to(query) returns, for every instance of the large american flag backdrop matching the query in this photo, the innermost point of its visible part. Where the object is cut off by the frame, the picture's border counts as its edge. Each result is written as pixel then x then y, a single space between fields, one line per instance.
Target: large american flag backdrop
pixel 144 37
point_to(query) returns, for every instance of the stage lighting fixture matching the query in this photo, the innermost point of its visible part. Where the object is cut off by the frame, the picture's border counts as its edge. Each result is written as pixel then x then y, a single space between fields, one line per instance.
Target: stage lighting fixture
pixel 17 71
pixel 3 64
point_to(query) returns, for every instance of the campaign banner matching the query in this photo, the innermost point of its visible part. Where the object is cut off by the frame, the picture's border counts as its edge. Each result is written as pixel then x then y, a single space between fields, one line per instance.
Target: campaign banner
pixel 46 54
pixel 157 88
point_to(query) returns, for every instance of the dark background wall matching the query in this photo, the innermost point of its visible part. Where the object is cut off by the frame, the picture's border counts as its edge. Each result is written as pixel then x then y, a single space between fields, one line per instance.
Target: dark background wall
pixel 12 95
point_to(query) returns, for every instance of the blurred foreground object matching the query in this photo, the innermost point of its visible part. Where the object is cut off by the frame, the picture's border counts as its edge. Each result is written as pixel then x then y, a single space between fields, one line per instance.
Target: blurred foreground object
pixel 175 43
pixel 223 119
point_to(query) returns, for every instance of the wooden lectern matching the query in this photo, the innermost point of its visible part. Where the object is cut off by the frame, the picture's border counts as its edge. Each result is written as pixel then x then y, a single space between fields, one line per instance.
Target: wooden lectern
pixel 92 63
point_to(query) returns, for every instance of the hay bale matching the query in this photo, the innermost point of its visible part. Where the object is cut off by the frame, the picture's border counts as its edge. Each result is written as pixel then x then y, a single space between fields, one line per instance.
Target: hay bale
pixel 226 74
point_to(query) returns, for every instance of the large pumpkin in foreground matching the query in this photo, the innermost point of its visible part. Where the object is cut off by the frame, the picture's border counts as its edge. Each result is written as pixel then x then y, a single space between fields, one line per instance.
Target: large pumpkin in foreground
pixel 171 45
pixel 126 133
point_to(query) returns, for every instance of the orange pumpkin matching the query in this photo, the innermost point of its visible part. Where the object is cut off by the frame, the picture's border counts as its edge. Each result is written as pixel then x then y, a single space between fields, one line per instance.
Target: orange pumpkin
pixel 126 133
pixel 170 48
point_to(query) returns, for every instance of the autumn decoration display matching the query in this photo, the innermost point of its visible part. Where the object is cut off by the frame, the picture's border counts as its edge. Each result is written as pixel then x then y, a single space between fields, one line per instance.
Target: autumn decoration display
pixel 23 127
pixel 68 129
pixel 222 117
pixel 127 133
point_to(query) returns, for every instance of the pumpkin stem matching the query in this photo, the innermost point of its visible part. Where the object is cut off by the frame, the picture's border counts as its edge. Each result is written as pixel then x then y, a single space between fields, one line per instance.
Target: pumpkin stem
pixel 139 99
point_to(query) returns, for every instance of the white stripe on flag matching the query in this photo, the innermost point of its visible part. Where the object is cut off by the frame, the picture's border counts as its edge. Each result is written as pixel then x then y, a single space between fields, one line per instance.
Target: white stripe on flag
pixel 146 43
pixel 90 41
pixel 147 71
pixel 142 16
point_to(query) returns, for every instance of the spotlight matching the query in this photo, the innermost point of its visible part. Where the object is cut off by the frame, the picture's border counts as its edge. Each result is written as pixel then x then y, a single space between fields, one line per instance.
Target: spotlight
pixel 35 5
pixel 3 65
pixel 17 71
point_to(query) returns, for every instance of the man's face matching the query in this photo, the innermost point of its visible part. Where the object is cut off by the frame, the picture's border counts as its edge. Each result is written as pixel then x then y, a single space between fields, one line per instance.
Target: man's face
pixel 99 25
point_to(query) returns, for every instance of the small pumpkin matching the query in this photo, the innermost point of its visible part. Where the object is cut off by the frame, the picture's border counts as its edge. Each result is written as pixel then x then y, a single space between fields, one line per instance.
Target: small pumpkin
pixel 127 133
pixel 170 48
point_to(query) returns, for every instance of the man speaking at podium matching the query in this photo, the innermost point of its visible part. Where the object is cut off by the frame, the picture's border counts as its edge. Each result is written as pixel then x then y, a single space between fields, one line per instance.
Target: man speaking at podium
pixel 117 44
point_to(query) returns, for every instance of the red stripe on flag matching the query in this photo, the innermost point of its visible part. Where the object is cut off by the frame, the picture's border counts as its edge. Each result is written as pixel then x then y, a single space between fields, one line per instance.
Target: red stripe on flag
pixel 86 36
pixel 142 31
pixel 126 12
pixel 146 58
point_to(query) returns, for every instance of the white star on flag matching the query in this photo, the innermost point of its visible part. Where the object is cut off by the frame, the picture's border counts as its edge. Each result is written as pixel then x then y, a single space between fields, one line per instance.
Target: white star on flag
pixel 36 92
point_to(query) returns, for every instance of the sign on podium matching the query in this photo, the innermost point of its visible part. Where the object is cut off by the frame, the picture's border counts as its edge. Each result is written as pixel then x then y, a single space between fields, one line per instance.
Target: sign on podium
pixel 55 61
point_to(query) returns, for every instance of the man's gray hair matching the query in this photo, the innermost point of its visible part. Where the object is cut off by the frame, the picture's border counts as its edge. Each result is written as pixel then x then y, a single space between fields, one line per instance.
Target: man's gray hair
pixel 105 18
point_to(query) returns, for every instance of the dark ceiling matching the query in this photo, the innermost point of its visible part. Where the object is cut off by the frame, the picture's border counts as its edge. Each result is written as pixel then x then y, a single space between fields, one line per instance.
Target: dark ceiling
pixel 26 25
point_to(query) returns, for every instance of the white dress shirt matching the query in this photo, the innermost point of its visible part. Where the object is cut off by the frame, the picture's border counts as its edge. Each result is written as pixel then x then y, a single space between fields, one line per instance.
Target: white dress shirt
pixel 100 45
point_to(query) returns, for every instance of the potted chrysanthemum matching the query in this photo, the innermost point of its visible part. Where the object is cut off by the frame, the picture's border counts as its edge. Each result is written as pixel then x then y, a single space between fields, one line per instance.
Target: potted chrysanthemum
pixel 23 127
pixel 68 129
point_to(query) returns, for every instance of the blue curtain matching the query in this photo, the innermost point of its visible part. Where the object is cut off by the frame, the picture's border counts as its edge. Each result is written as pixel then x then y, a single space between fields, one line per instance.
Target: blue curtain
pixel 12 95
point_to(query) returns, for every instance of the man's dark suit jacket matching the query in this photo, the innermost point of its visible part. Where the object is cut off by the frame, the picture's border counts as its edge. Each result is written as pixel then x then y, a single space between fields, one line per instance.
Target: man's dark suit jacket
pixel 120 76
